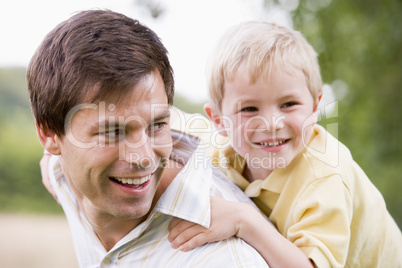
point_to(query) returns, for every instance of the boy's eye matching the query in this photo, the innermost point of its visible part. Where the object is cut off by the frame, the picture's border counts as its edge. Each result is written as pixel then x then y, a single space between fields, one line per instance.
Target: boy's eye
pixel 289 104
pixel 249 109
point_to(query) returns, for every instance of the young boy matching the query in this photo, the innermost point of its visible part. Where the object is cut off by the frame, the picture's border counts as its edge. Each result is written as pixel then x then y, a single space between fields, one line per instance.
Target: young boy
pixel 265 86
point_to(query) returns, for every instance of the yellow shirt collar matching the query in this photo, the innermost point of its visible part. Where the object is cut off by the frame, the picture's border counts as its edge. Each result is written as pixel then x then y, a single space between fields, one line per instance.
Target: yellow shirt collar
pixel 277 179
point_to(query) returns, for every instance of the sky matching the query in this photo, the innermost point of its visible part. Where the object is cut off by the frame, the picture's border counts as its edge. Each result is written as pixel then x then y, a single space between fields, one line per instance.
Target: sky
pixel 188 28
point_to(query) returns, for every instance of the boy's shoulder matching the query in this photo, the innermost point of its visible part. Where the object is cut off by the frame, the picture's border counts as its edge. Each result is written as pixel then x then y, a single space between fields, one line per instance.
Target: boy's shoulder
pixel 190 123
pixel 326 155
pixel 198 125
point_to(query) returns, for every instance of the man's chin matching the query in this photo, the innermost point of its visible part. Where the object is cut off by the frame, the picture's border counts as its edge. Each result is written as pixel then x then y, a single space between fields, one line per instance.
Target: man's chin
pixel 137 213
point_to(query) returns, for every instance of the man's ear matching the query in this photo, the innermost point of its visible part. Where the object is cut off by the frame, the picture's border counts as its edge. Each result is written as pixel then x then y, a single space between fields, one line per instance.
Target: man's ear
pixel 215 118
pixel 49 140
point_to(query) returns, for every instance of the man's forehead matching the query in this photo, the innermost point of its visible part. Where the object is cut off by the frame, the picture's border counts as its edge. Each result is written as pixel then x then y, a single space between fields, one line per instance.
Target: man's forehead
pixel 125 118
pixel 151 110
pixel 119 91
pixel 103 112
pixel 145 98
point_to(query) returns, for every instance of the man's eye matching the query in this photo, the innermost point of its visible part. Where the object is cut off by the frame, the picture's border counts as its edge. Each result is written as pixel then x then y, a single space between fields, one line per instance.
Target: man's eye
pixel 158 126
pixel 114 132
pixel 249 109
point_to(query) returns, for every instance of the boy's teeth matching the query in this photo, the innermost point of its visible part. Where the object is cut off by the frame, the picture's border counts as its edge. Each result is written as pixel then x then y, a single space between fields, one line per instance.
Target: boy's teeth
pixel 273 143
pixel 134 181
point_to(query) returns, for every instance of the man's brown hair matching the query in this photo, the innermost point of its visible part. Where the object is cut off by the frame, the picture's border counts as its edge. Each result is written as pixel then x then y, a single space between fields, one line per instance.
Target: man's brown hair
pixel 92 55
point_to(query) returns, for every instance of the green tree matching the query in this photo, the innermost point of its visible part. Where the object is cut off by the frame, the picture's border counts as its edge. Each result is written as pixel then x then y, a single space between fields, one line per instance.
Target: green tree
pixel 359 42
pixel 21 188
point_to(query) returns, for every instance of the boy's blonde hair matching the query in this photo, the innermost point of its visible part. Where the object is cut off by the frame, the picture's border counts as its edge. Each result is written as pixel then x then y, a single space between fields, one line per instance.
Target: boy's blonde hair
pixel 258 46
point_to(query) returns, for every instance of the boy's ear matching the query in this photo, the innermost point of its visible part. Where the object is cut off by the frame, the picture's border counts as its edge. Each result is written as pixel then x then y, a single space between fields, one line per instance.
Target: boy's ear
pixel 317 102
pixel 49 140
pixel 215 118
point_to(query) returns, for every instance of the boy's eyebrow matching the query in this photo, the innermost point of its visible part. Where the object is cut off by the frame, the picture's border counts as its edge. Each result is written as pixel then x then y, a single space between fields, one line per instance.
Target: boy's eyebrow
pixel 293 94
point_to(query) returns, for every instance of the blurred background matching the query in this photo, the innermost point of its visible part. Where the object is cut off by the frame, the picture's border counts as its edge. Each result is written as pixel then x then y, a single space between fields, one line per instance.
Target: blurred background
pixel 359 44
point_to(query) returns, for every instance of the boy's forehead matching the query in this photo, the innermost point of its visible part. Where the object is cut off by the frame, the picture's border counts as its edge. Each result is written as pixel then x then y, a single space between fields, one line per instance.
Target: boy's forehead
pixel 254 72
pixel 285 76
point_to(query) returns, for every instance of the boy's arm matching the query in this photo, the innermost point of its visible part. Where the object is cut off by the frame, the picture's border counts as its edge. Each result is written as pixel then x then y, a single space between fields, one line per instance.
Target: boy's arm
pixel 233 218
pixel 273 247
pixel 187 235
pixel 44 170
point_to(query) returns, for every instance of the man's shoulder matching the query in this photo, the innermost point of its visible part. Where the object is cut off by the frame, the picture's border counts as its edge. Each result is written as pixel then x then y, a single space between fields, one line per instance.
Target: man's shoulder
pixel 231 252
pixel 222 186
pixel 54 170
pixel 198 125
pixel 191 123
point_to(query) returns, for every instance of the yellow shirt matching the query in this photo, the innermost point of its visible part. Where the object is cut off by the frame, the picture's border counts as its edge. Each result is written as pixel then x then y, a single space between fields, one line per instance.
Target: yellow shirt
pixel 322 202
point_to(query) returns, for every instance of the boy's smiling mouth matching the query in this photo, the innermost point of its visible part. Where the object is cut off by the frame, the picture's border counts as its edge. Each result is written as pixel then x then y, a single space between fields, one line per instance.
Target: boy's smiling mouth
pixel 271 143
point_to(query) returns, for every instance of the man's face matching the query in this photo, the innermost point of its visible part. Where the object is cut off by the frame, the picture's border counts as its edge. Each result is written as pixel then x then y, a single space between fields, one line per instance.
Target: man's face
pixel 114 153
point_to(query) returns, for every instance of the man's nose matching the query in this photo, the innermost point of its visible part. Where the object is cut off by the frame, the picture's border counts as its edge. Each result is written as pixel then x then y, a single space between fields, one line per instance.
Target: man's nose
pixel 138 150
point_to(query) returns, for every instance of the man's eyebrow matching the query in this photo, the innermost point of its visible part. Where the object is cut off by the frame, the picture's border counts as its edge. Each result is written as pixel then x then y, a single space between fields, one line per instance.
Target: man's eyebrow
pixel 162 116
pixel 105 124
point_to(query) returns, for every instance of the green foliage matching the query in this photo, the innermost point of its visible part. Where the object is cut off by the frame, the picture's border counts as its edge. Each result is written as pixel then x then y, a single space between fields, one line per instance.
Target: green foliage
pixel 21 188
pixel 359 42
pixel 187 105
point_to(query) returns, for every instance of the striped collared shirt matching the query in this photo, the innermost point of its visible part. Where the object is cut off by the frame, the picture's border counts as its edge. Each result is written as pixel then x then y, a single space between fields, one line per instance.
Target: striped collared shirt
pixel 187 197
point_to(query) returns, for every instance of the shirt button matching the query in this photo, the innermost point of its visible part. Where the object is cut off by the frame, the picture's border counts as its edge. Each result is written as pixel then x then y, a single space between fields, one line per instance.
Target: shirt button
pixel 107 261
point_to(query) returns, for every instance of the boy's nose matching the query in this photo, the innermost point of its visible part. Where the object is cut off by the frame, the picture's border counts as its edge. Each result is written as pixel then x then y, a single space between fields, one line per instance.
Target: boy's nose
pixel 276 123
pixel 270 123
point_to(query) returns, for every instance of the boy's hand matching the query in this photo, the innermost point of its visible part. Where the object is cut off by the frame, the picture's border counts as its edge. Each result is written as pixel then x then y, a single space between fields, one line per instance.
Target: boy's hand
pixel 44 170
pixel 186 235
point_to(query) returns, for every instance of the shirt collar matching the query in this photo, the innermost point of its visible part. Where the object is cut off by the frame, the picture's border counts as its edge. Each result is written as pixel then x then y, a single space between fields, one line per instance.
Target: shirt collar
pixel 277 179
pixel 233 165
pixel 188 195
pixel 321 147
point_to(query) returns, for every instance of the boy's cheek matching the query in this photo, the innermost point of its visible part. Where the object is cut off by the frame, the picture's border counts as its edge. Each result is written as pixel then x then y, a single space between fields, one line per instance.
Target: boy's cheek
pixel 312 119
pixel 308 123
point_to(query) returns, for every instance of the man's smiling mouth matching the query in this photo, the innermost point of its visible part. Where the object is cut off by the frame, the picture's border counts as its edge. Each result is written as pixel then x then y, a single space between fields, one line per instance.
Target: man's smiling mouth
pixel 132 182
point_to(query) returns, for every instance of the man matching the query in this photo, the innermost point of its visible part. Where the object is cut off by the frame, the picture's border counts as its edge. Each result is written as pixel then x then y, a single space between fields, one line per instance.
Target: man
pixel 101 86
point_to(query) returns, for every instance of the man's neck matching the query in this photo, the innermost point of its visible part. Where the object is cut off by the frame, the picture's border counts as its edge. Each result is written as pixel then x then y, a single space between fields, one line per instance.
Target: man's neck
pixel 109 229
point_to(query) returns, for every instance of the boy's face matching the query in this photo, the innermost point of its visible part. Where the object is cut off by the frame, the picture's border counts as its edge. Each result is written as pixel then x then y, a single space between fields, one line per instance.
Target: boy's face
pixel 114 154
pixel 269 122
